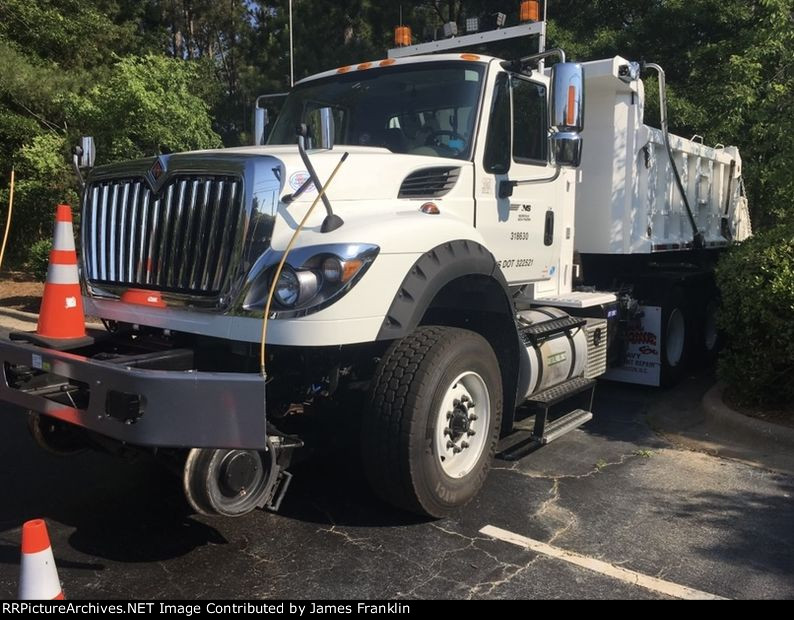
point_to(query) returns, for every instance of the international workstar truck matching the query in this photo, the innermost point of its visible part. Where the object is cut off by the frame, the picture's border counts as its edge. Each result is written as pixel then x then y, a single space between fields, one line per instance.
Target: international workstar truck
pixel 491 236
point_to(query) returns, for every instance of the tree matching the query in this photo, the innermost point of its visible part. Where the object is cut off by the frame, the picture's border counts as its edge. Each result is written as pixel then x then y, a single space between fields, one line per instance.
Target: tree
pixel 730 70
pixel 145 106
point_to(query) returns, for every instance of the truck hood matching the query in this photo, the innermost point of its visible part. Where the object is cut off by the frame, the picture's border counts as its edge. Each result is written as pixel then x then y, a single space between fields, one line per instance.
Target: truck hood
pixel 368 173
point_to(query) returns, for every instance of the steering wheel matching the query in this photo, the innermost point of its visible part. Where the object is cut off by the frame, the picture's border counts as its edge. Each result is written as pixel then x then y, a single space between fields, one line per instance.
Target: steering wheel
pixel 432 138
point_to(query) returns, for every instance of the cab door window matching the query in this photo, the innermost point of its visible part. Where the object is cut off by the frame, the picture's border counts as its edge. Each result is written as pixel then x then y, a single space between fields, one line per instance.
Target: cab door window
pixel 530 124
pixel 496 159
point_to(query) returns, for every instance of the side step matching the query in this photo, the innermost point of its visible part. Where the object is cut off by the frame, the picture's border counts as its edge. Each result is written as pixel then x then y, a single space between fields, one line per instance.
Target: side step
pixel 560 392
pixel 545 432
pixel 565 424
pixel 540 332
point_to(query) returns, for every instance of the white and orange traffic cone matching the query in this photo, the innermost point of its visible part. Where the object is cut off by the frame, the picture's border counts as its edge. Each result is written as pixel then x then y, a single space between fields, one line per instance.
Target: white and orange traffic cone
pixel 38 577
pixel 61 315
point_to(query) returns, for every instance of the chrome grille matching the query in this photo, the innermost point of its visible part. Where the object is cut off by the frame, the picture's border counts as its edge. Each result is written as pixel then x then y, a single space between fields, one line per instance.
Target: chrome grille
pixel 179 239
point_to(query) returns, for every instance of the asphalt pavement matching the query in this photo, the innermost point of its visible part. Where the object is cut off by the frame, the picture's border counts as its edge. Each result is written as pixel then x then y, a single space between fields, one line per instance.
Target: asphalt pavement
pixel 605 508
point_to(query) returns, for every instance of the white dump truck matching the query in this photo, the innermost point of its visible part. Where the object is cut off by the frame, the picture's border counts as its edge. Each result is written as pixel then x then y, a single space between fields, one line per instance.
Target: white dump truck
pixel 491 237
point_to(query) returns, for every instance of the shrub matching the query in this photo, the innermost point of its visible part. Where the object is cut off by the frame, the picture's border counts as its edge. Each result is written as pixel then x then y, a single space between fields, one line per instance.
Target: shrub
pixel 39 259
pixel 43 180
pixel 757 284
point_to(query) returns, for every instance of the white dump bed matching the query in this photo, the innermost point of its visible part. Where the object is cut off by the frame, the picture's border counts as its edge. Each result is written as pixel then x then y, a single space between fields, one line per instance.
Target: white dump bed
pixel 627 201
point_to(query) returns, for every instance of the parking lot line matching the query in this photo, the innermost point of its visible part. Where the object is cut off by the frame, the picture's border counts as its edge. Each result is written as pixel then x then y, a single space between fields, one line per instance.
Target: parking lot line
pixel 622 574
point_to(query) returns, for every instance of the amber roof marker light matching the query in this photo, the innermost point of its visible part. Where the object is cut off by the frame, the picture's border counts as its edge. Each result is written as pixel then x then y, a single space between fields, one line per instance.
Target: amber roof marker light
pixel 403 37
pixel 529 11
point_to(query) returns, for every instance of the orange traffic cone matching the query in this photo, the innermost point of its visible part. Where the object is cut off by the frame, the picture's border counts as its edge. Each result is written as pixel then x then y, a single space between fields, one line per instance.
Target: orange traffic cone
pixel 61 315
pixel 38 579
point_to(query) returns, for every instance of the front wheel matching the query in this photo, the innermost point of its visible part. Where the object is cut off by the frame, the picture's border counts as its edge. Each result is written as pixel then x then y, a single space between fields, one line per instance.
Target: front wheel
pixel 433 420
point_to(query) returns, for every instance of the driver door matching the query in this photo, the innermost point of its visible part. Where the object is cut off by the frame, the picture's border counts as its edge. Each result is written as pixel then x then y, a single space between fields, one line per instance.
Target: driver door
pixel 522 229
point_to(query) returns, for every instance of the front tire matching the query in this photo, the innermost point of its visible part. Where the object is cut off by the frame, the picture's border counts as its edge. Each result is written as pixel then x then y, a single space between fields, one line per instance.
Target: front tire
pixel 433 420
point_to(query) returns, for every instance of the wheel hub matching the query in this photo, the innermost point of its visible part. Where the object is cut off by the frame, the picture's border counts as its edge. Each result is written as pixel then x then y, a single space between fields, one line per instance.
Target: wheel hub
pixel 238 471
pixel 462 423
pixel 459 422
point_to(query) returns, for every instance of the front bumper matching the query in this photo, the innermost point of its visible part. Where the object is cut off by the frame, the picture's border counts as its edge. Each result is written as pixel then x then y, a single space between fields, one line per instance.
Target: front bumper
pixel 175 408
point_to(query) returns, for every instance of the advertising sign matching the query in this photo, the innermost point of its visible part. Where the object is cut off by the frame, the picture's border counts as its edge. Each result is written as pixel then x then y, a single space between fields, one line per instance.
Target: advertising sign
pixel 643 361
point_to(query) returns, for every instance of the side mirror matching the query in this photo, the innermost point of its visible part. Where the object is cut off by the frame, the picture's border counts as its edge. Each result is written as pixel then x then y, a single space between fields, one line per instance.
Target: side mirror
pixel 84 153
pixel 567 113
pixel 567 97
pixel 326 138
pixel 83 157
pixel 566 149
pixel 259 124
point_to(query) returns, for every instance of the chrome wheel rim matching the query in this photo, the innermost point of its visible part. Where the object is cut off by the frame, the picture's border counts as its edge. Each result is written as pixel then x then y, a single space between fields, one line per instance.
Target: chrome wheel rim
pixel 462 424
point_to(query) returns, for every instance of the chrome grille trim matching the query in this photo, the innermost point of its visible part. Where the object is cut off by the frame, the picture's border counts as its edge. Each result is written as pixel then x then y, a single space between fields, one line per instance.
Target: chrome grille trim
pixel 134 238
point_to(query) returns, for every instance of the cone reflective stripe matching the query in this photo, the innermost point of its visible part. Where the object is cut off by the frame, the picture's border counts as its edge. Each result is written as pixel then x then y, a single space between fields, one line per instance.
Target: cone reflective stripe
pixel 38 577
pixel 61 315
pixel 64 236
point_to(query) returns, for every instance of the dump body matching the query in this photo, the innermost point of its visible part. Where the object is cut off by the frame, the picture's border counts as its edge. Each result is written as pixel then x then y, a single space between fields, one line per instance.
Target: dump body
pixel 627 200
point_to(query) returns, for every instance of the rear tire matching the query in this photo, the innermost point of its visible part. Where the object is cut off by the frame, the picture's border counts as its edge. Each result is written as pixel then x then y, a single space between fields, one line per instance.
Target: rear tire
pixel 675 337
pixel 711 337
pixel 433 420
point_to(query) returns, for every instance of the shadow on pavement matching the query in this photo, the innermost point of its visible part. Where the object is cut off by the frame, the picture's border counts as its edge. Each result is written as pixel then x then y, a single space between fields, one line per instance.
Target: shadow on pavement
pixel 128 512
pixel 756 526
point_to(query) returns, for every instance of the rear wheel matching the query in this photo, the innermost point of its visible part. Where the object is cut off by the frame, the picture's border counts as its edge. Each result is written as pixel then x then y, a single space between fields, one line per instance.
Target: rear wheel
pixel 711 337
pixel 674 347
pixel 433 420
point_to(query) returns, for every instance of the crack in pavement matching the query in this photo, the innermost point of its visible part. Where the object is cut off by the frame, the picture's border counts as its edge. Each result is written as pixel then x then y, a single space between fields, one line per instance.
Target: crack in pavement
pixel 475 590
pixel 597 469
pixel 548 510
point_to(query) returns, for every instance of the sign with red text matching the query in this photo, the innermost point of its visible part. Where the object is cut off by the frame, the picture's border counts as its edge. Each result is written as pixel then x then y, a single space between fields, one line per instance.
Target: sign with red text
pixel 643 361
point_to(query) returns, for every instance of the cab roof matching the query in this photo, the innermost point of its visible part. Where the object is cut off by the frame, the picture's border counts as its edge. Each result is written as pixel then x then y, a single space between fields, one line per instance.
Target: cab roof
pixel 408 60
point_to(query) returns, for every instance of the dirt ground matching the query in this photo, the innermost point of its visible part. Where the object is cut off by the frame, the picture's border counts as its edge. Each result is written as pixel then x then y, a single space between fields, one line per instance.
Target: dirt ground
pixel 19 292
pixel 781 415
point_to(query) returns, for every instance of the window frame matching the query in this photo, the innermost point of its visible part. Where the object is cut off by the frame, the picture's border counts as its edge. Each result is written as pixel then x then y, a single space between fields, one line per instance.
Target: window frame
pixel 526 160
pixel 494 95
pixel 352 76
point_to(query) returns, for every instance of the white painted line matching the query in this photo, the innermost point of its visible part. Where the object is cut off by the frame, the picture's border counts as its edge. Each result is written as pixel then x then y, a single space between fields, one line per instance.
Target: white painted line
pixel 622 574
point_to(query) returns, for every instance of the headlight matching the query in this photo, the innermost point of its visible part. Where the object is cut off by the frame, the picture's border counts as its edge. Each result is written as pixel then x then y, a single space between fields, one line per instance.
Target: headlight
pixel 313 278
pixel 288 288
pixel 296 287
pixel 332 269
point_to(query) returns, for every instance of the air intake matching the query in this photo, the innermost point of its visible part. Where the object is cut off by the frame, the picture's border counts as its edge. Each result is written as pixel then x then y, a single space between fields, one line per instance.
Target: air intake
pixel 429 183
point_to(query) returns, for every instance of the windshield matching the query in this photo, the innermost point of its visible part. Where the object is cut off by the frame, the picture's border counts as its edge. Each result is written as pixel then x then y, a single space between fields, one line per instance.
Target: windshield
pixel 422 109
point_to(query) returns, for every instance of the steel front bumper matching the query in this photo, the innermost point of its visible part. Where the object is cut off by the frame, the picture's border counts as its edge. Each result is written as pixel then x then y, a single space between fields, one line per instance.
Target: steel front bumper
pixel 179 409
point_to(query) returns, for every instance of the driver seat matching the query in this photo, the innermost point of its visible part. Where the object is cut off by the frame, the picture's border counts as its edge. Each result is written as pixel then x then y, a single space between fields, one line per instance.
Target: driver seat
pixel 394 140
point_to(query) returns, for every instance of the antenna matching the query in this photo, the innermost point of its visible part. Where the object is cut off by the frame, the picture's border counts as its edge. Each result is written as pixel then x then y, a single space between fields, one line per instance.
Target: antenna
pixel 291 50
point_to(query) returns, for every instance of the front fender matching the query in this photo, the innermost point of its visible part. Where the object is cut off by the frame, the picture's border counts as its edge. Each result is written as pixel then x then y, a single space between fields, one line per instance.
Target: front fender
pixel 430 273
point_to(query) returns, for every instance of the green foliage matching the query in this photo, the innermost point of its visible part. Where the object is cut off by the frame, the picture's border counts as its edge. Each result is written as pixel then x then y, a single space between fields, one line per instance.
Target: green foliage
pixel 39 259
pixel 145 106
pixel 42 181
pixel 730 73
pixel 143 76
pixel 757 284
